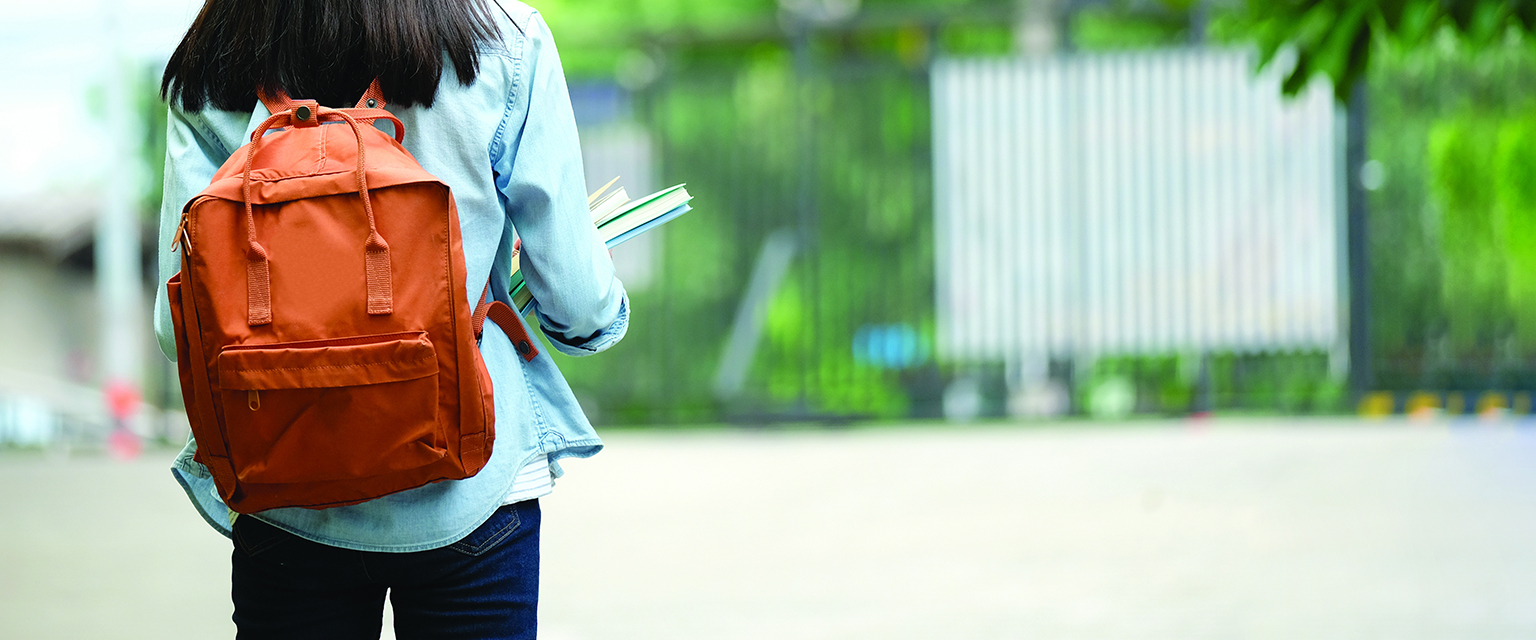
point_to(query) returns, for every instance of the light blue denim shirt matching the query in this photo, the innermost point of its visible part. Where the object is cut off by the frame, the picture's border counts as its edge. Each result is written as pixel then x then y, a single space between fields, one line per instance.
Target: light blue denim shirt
pixel 507 147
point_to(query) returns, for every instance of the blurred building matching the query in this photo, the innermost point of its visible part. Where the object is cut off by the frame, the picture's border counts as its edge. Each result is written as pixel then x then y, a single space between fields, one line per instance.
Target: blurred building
pixel 50 355
pixel 83 89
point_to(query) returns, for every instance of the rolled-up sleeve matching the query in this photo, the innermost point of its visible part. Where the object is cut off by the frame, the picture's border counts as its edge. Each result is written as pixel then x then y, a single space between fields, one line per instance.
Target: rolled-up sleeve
pixel 536 155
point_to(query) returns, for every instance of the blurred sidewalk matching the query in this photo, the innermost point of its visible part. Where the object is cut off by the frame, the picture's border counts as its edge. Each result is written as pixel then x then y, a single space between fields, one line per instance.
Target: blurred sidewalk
pixel 1230 529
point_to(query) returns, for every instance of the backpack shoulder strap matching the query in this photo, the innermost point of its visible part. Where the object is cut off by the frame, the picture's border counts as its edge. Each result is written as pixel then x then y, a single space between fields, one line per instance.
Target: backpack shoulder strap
pixel 277 103
pixel 373 98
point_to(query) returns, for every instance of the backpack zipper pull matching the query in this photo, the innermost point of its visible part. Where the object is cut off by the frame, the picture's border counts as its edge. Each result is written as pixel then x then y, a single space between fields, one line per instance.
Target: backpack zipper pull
pixel 253 399
pixel 181 234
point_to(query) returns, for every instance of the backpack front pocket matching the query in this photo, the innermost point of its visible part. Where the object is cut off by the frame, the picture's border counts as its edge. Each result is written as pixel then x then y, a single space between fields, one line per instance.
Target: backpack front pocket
pixel 326 410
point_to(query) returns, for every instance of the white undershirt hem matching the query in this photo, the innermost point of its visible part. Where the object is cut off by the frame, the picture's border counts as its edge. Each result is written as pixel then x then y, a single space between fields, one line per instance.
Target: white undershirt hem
pixel 533 481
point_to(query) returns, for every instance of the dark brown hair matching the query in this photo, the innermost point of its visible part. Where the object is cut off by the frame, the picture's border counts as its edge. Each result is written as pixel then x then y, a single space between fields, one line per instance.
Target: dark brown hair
pixel 325 50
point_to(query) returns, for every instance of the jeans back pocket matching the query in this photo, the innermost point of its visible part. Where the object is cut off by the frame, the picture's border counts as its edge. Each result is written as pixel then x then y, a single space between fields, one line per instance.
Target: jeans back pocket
pixel 501 525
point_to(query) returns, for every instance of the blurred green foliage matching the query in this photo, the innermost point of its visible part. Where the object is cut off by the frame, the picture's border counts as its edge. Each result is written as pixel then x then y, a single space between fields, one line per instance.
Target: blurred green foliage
pixel 1514 177
pixel 1336 38
pixel 148 118
pixel 1453 242
pixel 759 140
pixel 733 115
pixel 598 35
pixel 1171 384
pixel 831 144
pixel 1471 259
pixel 150 112
pixel 1114 26
pixel 837 157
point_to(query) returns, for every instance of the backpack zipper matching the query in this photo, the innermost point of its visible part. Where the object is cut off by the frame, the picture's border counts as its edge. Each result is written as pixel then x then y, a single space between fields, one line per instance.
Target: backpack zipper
pixel 181 237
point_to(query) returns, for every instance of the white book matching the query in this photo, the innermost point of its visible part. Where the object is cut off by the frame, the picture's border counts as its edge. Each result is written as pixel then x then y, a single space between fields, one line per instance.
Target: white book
pixel 609 206
pixel 617 219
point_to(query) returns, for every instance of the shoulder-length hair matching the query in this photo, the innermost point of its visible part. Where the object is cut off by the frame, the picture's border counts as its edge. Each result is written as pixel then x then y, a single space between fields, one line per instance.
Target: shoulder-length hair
pixel 325 50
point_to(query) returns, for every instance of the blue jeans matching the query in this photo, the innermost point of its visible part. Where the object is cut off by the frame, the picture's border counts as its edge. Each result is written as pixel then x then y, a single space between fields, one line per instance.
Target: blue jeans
pixel 484 586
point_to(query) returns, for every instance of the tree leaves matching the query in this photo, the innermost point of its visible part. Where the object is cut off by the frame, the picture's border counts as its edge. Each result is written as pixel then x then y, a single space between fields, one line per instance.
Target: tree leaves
pixel 1334 38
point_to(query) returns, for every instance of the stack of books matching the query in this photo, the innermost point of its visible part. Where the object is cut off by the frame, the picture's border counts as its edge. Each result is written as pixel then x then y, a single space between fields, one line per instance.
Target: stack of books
pixel 618 220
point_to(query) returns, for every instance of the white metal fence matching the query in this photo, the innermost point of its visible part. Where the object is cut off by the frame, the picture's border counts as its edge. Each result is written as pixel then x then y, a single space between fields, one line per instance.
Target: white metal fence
pixel 1134 203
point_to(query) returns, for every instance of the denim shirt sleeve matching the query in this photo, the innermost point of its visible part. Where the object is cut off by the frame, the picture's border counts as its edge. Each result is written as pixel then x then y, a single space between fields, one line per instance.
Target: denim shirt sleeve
pixel 536 156
pixel 193 153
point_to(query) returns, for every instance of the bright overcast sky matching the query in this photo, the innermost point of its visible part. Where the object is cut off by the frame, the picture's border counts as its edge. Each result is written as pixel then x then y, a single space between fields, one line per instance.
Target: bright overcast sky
pixel 55 51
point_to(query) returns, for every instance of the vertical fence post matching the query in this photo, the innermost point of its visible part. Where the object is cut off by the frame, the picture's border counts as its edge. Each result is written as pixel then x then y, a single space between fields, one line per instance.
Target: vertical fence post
pixel 1361 373
pixel 805 203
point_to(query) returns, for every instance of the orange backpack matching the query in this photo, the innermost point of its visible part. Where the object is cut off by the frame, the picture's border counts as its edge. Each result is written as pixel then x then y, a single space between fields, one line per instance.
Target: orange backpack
pixel 326 351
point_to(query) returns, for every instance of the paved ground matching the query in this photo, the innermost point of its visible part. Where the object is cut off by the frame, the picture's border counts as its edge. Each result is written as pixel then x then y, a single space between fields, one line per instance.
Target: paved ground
pixel 1274 529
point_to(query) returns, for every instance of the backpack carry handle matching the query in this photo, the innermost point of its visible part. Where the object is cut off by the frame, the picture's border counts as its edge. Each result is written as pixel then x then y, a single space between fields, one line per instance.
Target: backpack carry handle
pixel 258 270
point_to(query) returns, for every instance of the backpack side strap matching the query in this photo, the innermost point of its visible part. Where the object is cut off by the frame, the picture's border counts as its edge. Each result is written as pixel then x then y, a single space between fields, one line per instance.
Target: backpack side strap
pixel 510 324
